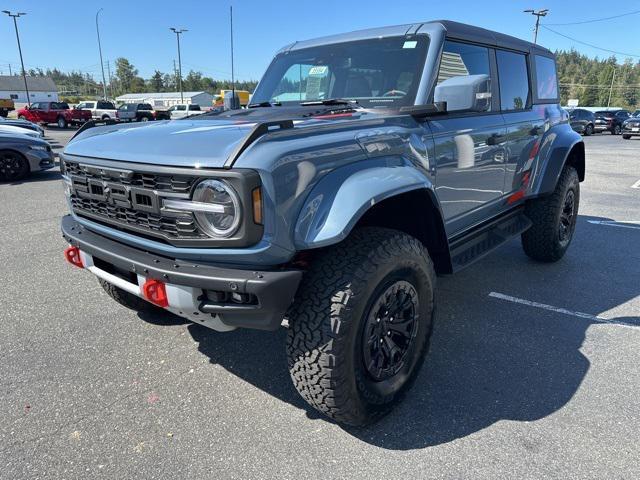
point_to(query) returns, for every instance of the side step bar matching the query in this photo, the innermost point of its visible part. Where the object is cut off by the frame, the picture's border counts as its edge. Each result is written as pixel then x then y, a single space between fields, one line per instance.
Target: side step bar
pixel 472 246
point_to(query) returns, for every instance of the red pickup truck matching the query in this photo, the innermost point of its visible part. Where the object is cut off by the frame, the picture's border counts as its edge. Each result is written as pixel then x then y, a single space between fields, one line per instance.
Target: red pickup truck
pixel 54 112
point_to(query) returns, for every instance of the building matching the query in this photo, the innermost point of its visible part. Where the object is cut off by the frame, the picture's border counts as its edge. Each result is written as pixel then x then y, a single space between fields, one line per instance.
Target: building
pixel 167 99
pixel 41 89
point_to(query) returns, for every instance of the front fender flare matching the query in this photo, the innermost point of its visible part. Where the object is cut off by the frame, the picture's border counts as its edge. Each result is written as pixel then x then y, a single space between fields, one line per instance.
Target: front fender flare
pixel 339 200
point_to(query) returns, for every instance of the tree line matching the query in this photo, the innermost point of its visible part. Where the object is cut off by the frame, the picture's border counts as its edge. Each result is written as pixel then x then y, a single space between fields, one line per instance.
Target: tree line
pixel 587 79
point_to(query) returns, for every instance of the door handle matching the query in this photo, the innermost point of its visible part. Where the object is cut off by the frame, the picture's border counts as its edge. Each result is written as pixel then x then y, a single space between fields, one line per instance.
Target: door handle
pixel 496 139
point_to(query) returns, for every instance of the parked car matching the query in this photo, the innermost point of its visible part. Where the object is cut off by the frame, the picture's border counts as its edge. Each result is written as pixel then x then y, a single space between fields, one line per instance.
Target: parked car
pixel 54 112
pixel 582 121
pixel 335 200
pixel 610 120
pixel 13 130
pixel 135 112
pixel 636 113
pixel 100 109
pixel 181 111
pixel 630 127
pixel 21 155
pixel 22 124
pixel 6 106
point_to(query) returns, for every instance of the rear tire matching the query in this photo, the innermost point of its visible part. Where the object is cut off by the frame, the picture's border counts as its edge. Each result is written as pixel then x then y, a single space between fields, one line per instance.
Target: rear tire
pixel 127 299
pixel 616 130
pixel 348 356
pixel 13 166
pixel 144 119
pixel 554 219
pixel 626 137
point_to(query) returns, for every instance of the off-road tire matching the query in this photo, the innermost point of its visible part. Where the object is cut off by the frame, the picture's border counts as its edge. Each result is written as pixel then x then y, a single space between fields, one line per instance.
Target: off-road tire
pixel 325 342
pixel 542 241
pixel 127 299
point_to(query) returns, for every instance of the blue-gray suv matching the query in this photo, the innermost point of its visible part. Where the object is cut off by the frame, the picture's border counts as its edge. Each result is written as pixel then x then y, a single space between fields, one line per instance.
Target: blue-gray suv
pixel 366 165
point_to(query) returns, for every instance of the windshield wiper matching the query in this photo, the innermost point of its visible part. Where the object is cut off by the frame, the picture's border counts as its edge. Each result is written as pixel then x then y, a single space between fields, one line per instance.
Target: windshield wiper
pixel 330 101
pixel 264 104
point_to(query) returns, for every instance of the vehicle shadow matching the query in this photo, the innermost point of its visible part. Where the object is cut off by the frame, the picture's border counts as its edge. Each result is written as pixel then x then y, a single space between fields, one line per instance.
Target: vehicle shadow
pixel 35 177
pixel 489 360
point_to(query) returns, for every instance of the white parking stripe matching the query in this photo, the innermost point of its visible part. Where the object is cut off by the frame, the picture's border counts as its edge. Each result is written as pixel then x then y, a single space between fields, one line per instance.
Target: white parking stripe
pixel 636 185
pixel 611 223
pixel 564 311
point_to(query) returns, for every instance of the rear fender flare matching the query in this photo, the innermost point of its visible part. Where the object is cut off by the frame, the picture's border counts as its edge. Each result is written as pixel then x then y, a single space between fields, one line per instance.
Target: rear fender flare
pixel 555 148
pixel 341 198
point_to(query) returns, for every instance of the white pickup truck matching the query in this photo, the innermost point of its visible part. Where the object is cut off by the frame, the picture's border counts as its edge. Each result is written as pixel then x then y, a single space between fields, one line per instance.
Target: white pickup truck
pixel 183 110
pixel 100 109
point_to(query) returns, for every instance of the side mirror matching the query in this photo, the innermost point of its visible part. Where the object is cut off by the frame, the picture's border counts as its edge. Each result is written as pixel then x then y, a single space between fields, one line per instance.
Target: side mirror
pixel 465 93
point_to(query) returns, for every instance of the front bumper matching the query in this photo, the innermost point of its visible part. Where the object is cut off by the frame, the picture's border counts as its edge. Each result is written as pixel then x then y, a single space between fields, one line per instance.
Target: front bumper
pixel 40 160
pixel 188 282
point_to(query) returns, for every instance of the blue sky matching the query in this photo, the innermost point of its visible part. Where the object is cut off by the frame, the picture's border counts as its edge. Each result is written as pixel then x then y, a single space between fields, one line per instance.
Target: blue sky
pixel 62 33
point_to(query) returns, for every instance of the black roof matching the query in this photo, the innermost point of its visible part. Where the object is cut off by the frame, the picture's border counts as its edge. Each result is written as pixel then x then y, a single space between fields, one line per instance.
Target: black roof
pixel 470 33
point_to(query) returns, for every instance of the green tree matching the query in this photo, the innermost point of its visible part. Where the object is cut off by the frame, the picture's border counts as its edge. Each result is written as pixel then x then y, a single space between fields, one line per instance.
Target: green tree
pixel 125 75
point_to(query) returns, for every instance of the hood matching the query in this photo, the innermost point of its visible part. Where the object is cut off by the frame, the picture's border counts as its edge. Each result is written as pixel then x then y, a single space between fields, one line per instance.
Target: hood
pixel 173 143
pixel 202 141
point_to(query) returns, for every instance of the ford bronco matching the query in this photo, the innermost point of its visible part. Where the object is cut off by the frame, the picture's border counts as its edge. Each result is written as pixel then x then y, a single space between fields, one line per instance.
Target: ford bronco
pixel 366 165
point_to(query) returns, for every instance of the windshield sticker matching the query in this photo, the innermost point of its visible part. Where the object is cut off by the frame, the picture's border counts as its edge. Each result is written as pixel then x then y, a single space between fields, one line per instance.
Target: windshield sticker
pixel 318 71
pixel 410 44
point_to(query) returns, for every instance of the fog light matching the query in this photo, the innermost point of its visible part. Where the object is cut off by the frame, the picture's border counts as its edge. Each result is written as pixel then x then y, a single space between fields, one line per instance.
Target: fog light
pixel 156 292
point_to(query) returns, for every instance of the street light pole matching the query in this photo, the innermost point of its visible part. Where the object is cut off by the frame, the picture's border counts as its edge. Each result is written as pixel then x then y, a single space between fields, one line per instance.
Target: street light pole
pixel 178 32
pixel 24 74
pixel 104 81
pixel 538 14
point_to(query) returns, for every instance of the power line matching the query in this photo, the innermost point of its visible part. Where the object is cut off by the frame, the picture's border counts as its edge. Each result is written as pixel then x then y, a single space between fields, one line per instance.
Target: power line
pixel 635 12
pixel 589 44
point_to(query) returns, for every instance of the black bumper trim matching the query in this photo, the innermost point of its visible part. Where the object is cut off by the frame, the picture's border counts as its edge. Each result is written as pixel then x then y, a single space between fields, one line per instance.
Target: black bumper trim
pixel 274 290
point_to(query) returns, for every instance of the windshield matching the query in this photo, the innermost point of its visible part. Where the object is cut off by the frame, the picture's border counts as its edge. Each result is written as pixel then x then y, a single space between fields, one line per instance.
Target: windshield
pixel 381 72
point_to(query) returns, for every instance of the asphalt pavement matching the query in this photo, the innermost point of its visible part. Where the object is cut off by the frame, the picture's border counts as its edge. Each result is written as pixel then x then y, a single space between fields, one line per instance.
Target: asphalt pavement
pixel 534 370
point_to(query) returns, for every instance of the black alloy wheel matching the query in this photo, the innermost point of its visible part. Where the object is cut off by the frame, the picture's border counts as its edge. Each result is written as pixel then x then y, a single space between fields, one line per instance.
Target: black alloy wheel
pixel 13 166
pixel 389 330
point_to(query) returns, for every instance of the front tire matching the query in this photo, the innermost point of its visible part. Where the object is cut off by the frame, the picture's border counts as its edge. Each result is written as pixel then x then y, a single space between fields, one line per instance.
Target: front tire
pixel 61 122
pixel 126 299
pixel 616 130
pixel 144 119
pixel 361 324
pixel 554 219
pixel 626 137
pixel 13 166
pixel 588 130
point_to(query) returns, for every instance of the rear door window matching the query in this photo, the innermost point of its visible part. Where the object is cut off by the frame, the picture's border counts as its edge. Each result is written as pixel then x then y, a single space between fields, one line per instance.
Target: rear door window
pixel 514 80
pixel 546 78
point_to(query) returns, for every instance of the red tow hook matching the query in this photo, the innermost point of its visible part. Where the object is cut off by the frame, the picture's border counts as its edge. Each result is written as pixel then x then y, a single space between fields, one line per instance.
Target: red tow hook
pixel 155 292
pixel 72 254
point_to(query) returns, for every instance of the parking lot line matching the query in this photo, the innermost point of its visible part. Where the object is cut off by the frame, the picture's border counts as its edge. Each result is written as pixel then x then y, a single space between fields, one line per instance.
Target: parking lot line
pixel 635 224
pixel 564 311
pixel 636 185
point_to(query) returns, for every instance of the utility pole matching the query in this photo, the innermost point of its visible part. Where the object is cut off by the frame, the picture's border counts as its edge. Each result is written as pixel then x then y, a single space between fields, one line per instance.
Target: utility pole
pixel 24 74
pixel 538 14
pixel 611 89
pixel 10 70
pixel 233 78
pixel 104 81
pixel 110 81
pixel 178 32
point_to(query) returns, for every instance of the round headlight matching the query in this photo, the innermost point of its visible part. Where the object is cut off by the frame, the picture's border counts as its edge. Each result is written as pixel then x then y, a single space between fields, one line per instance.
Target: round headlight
pixel 218 193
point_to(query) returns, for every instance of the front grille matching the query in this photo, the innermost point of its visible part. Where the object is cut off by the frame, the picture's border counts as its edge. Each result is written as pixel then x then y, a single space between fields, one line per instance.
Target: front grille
pixel 132 200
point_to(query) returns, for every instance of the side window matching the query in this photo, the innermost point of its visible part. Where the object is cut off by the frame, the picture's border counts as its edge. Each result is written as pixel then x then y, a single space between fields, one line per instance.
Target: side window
pixel 514 80
pixel 464 66
pixel 546 78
